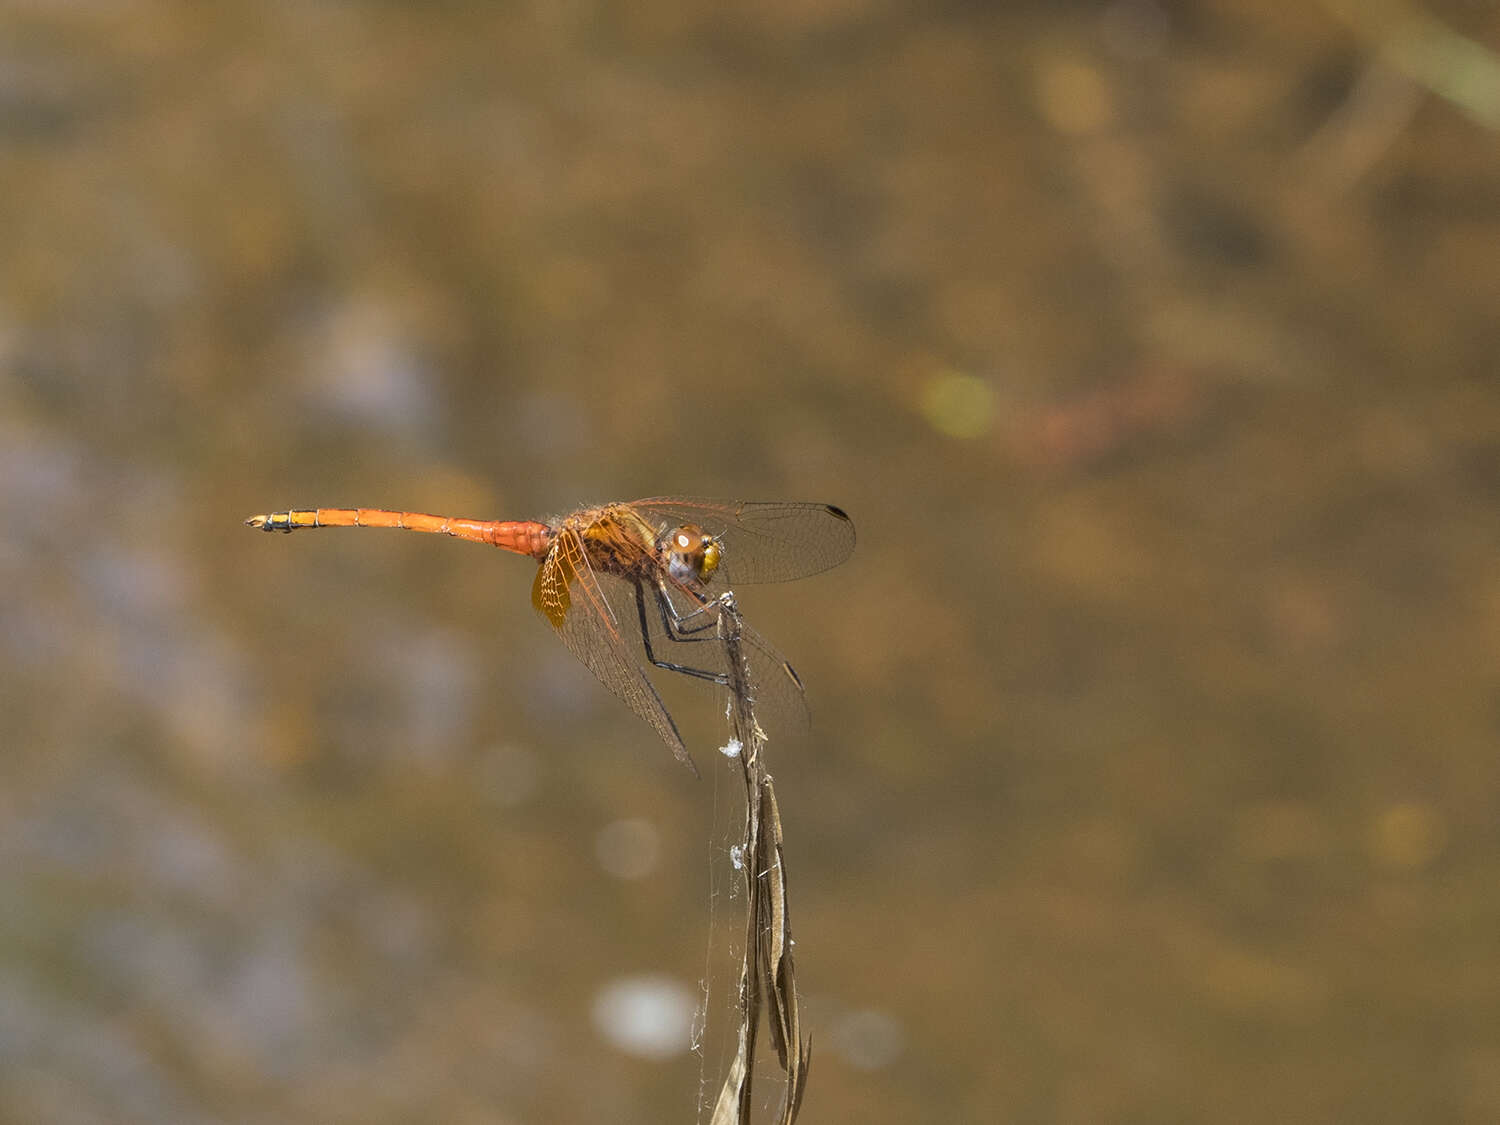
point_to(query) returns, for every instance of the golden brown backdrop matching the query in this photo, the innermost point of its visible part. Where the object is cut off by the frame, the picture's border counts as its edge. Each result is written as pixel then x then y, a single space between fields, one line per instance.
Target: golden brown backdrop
pixel 1152 347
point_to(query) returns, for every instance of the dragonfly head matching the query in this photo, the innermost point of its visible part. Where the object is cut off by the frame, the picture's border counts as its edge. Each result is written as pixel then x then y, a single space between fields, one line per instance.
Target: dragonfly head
pixel 692 554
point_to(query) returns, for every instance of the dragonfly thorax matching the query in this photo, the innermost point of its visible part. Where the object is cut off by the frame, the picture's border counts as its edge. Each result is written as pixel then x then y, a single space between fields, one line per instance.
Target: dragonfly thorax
pixel 692 555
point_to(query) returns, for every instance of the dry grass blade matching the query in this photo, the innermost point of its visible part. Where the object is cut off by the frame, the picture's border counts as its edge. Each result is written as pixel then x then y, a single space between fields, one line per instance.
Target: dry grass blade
pixel 767 975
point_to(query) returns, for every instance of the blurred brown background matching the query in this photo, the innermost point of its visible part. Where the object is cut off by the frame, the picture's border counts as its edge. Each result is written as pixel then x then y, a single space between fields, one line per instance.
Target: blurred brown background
pixel 1152 346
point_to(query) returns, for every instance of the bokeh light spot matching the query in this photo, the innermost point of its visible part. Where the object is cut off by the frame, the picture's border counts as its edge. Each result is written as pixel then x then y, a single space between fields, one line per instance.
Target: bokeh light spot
pixel 958 405
pixel 647 1016
pixel 1073 97
pixel 869 1039
pixel 629 848
pixel 1408 836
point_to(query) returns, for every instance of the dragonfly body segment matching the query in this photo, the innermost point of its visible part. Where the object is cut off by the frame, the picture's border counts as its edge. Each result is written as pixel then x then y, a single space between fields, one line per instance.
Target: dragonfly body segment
pixel 523 537
pixel 673 555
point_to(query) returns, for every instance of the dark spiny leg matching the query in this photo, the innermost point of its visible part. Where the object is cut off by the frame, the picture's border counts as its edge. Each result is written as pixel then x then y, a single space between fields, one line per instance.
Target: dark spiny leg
pixel 676 627
pixel 676 624
pixel 640 609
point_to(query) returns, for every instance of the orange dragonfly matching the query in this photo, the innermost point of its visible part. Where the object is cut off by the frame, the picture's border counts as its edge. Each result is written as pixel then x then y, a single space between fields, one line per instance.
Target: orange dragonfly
pixel 669 555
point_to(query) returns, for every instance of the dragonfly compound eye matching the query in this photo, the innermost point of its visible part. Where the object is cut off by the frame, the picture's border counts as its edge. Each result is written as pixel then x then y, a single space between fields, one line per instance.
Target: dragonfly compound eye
pixel 711 554
pixel 691 555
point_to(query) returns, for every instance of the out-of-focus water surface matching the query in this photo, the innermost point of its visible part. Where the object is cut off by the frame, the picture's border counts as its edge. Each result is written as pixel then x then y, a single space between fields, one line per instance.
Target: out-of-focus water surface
pixel 1153 347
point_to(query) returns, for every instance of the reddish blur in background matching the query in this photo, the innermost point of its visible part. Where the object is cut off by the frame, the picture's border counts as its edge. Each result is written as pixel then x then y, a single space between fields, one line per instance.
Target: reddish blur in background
pixel 1153 348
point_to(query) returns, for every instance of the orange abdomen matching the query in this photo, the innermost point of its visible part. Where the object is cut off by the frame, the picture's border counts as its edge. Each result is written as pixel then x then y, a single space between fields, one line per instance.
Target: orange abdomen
pixel 523 537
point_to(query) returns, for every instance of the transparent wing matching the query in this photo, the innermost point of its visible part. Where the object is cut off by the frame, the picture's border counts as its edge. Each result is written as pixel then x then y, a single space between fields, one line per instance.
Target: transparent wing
pixel 763 541
pixel 568 594
pixel 781 703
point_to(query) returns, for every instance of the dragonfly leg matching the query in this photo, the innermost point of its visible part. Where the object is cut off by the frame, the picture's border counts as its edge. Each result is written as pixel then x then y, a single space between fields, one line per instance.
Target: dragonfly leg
pixel 685 626
pixel 677 629
pixel 640 609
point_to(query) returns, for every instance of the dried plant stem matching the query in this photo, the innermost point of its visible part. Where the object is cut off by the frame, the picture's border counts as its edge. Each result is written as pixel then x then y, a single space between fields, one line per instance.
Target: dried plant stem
pixel 767 974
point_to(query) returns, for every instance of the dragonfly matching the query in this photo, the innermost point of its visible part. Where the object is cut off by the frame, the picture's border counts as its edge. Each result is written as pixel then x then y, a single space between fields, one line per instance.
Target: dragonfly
pixel 612 576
